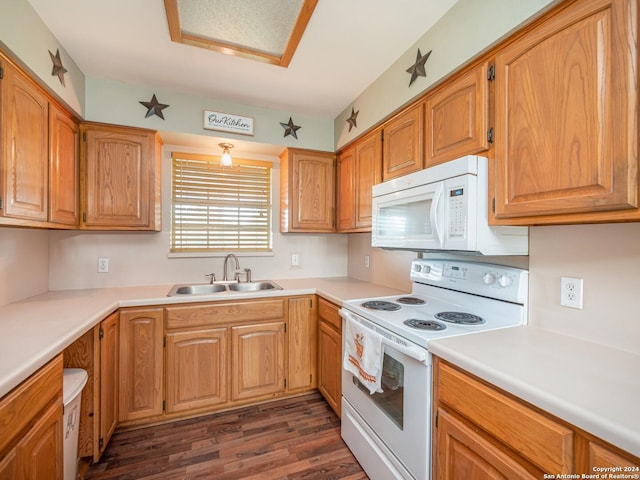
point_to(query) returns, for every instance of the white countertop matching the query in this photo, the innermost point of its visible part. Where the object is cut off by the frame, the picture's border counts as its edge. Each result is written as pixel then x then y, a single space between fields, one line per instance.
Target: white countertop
pixel 591 386
pixel 35 330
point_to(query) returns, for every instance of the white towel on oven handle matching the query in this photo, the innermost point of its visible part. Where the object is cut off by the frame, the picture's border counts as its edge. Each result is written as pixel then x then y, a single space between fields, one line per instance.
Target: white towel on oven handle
pixel 363 354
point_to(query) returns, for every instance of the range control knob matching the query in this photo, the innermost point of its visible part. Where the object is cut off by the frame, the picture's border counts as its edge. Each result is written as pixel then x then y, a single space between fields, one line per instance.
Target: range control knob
pixel 488 278
pixel 426 269
pixel 504 281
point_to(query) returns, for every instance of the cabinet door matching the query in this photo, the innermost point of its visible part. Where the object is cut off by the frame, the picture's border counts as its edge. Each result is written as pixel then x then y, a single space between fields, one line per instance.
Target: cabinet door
pixel 566 114
pixel 196 369
pixel 368 172
pixel 257 368
pixel 24 139
pixel 330 365
pixel 302 343
pixel 462 453
pixel 39 453
pixel 307 181
pixel 63 167
pixel 9 466
pixel 456 118
pixel 119 176
pixel 403 146
pixel 346 176
pixel 109 394
pixel 140 382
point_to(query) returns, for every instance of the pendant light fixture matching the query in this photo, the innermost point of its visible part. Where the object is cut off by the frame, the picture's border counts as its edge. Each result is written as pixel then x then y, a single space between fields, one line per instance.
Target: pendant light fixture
pixel 225 159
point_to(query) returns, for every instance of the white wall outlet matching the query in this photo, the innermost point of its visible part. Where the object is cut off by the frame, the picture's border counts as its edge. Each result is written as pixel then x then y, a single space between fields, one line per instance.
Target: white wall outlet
pixel 367 261
pixel 571 292
pixel 103 265
pixel 295 259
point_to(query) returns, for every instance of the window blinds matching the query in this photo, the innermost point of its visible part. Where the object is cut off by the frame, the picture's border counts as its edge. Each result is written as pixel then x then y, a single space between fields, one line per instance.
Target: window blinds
pixel 216 208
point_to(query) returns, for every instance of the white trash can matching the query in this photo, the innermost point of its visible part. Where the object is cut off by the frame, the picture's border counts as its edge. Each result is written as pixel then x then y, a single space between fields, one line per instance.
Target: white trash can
pixel 74 380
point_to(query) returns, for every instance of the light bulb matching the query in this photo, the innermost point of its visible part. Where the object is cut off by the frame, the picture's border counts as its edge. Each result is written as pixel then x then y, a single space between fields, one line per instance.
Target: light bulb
pixel 225 158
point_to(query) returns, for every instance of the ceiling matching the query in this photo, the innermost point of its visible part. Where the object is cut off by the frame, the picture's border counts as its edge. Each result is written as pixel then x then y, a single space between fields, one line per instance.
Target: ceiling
pixel 347 44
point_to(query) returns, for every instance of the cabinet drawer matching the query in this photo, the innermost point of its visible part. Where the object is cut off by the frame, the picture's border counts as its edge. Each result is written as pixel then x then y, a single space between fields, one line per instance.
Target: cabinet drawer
pixel 25 402
pixel 328 313
pixel 231 312
pixel 541 440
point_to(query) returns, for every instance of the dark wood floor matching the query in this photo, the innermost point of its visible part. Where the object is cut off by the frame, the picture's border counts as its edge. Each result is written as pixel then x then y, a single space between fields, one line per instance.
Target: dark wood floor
pixel 296 438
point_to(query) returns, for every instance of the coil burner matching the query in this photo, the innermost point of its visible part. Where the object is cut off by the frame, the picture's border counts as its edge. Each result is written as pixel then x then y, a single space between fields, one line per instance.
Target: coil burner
pixel 381 305
pixel 410 301
pixel 425 324
pixel 460 318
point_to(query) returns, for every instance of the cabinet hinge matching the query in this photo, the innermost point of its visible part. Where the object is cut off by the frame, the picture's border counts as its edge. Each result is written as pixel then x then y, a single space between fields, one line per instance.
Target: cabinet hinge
pixel 164 405
pixel 1 73
pixel 490 135
pixel 436 419
pixel 0 203
pixel 84 216
pixel 491 73
pixel 84 136
pixel 311 378
pixel 100 333
pixel 164 341
pixel 285 383
pixel 310 303
pixel 493 204
pixel 285 328
pixel 382 136
pixel 100 442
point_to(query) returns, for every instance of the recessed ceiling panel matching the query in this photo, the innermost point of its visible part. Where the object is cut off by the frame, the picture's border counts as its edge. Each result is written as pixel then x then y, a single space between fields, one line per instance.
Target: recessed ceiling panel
pixel 265 30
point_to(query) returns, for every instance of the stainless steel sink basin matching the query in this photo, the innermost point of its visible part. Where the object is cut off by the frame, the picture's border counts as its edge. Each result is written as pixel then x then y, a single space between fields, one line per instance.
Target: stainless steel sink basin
pixel 209 288
pixel 253 286
pixel 198 289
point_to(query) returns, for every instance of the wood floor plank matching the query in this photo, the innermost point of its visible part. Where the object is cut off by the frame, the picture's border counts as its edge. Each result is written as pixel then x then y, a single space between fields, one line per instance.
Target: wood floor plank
pixel 290 439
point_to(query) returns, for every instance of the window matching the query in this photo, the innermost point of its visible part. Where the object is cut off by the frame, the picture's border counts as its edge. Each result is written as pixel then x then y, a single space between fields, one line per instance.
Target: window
pixel 216 208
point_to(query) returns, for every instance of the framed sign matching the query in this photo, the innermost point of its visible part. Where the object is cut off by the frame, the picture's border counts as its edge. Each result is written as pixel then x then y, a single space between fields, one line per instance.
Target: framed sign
pixel 227 122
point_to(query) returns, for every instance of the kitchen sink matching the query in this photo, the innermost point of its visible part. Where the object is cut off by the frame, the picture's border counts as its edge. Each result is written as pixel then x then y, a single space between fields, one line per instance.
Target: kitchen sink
pixel 253 286
pixel 209 288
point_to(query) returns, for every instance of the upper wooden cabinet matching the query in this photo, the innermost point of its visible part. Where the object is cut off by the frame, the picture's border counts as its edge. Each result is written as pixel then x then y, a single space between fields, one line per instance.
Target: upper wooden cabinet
pixel 403 145
pixel 63 167
pixel 359 169
pixel 566 108
pixel 25 152
pixel 120 178
pixel 39 155
pixel 457 117
pixel 307 180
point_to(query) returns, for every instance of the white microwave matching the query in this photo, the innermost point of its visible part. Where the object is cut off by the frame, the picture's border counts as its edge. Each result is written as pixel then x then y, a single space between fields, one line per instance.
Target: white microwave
pixel 442 208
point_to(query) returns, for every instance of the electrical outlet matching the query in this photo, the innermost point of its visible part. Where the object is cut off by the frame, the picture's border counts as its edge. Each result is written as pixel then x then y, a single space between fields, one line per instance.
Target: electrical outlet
pixel 103 265
pixel 571 292
pixel 295 259
pixel 366 261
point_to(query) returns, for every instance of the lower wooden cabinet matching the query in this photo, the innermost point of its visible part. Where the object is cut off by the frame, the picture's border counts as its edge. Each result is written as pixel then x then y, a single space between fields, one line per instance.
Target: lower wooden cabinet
pixel 141 363
pixel 301 343
pixel 330 354
pixel 482 432
pixel 257 360
pixel 97 352
pixel 31 416
pixel 196 369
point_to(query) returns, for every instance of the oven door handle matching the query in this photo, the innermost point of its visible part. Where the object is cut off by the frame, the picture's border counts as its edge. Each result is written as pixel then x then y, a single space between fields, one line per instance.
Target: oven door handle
pixel 414 352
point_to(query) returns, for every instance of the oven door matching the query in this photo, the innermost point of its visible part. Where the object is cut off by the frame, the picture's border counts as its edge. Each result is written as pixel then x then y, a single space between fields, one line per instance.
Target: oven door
pixel 411 218
pixel 398 420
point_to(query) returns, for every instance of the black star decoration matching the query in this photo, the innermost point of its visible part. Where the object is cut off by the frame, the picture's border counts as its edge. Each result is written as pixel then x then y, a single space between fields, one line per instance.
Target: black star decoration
pixel 58 70
pixel 417 69
pixel 290 128
pixel 352 119
pixel 154 107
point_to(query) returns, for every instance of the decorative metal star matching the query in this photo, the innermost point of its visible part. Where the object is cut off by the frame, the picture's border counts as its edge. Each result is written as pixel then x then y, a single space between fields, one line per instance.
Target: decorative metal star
pixel 352 119
pixel 290 128
pixel 417 69
pixel 154 107
pixel 58 70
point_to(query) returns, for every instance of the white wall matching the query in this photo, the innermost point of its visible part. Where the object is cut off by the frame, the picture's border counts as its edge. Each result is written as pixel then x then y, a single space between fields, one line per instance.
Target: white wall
pixel 24 263
pixel 607 257
pixel 140 258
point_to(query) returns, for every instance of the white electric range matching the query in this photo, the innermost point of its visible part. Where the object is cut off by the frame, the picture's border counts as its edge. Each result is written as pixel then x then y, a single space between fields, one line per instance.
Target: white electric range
pixel 390 432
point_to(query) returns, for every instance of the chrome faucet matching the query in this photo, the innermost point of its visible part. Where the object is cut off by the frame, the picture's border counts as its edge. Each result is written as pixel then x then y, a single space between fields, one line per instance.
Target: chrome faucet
pixel 224 273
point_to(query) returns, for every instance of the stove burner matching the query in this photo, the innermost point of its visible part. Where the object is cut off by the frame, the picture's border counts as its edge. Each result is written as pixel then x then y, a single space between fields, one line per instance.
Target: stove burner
pixel 381 305
pixel 425 324
pixel 459 317
pixel 410 300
